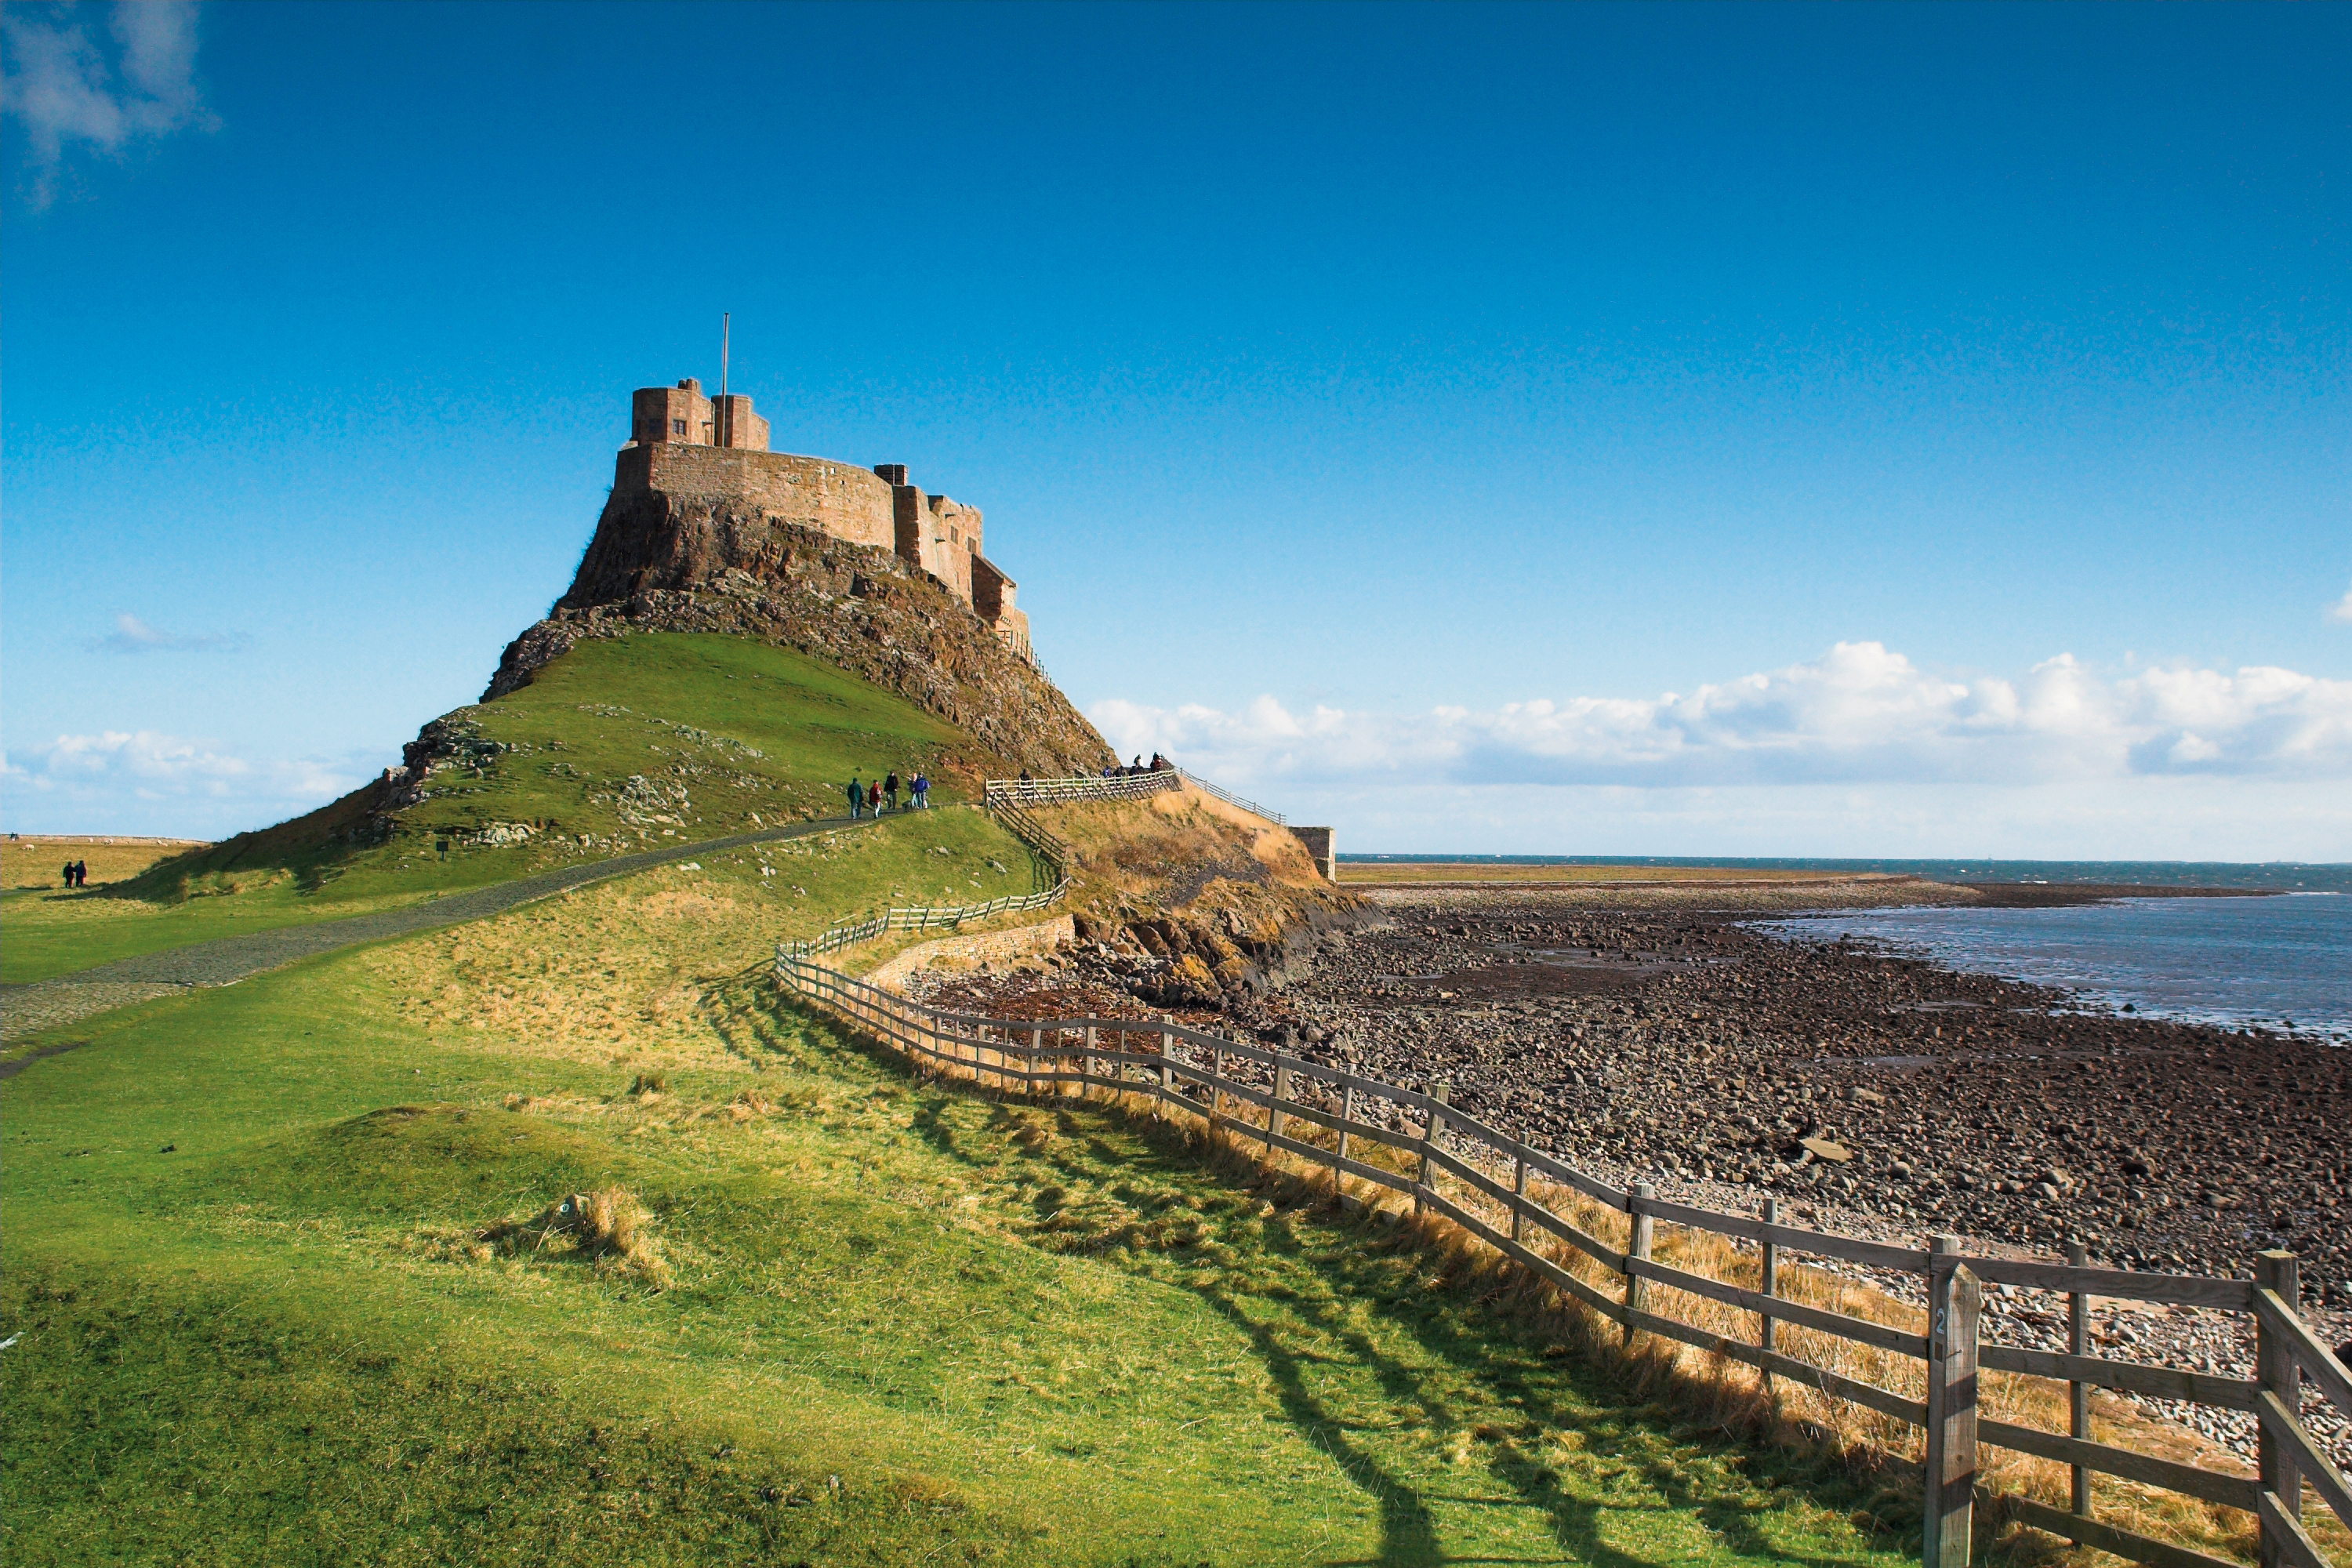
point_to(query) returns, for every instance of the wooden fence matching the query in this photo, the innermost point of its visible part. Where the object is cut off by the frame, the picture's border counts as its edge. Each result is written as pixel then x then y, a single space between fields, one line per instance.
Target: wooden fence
pixel 1494 1186
pixel 1062 791
pixel 1230 798
pixel 946 917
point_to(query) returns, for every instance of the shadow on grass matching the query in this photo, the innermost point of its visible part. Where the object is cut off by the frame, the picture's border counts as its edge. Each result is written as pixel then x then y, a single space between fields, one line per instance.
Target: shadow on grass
pixel 1289 1297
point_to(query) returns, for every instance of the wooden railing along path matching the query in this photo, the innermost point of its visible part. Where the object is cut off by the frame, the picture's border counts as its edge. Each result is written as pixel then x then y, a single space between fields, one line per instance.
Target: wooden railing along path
pixel 1492 1187
pixel 1062 791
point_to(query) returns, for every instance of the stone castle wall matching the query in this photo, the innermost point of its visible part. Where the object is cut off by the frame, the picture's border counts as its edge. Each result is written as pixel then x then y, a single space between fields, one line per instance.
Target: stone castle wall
pixel 710 455
pixel 848 502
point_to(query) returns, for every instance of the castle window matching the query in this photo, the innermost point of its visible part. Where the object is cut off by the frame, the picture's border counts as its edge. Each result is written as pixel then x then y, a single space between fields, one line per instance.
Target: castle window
pixel 678 427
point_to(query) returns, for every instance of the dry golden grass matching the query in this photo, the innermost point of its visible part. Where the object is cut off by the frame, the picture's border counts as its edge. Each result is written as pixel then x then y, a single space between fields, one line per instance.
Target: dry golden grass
pixel 623 973
pixel 40 862
pixel 608 1228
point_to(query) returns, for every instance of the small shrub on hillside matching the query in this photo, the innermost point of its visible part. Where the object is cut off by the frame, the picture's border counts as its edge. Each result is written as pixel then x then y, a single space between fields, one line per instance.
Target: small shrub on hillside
pixel 647 1083
pixel 608 1226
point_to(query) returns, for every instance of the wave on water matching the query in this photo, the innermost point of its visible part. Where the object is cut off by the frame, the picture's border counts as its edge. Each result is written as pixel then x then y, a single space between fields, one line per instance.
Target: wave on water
pixel 2280 964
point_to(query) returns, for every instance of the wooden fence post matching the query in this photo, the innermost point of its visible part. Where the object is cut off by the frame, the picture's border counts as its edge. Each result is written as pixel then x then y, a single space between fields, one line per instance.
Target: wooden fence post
pixel 1216 1087
pixel 1340 1146
pixel 1167 1073
pixel 1954 1302
pixel 1432 1124
pixel 1036 1052
pixel 1637 1248
pixel 2078 1393
pixel 2275 1370
pixel 1519 1195
pixel 1086 1061
pixel 1769 1325
pixel 1274 1111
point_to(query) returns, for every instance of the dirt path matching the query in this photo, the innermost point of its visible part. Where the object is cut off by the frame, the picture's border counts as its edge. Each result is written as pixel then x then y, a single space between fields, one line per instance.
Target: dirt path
pixel 48 1003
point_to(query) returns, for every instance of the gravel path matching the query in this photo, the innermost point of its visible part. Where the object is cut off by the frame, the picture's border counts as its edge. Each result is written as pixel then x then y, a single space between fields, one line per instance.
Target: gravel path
pixel 48 1004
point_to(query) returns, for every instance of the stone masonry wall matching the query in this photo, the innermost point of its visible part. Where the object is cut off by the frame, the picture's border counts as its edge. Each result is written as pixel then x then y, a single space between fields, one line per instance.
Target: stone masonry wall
pixel 848 502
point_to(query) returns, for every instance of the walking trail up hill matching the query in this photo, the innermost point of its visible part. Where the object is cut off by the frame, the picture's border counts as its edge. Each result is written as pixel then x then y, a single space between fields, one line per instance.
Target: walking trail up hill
pixel 224 961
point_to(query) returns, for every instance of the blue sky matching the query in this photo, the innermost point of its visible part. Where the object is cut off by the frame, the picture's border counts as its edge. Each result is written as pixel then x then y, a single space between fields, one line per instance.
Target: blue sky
pixel 1670 430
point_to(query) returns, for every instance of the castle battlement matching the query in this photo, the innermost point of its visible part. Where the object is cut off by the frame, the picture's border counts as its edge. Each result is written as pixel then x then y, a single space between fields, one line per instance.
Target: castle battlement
pixel 716 449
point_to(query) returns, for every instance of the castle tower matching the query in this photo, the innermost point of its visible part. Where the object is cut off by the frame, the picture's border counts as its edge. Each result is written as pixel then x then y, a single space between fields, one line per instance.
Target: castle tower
pixel 681 415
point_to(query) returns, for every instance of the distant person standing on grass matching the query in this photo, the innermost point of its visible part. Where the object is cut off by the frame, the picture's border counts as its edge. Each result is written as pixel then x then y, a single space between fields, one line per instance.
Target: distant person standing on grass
pixel 890 790
pixel 81 873
pixel 856 799
pixel 69 873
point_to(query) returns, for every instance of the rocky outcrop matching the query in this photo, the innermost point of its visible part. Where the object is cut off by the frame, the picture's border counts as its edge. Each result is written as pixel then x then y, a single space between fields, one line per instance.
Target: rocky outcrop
pixel 661 562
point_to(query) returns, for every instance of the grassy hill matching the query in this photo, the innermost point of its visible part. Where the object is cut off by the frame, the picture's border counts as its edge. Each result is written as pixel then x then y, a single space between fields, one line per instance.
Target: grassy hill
pixel 617 745
pixel 280 1264
pixel 561 1237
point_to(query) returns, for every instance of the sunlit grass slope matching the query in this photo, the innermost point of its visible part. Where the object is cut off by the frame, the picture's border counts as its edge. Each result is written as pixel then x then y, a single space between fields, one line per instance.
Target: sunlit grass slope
pixel 286 1269
pixel 618 746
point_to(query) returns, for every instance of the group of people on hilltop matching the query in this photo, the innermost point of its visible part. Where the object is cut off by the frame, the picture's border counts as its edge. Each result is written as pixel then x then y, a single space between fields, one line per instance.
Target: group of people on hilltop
pixel 76 873
pixel 872 799
pixel 1158 765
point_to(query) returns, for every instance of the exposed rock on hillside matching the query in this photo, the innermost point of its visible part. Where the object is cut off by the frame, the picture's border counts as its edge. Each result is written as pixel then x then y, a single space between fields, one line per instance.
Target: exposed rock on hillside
pixel 668 563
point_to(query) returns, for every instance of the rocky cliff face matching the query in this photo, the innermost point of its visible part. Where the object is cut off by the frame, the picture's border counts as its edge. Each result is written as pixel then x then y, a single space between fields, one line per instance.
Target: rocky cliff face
pixel 663 563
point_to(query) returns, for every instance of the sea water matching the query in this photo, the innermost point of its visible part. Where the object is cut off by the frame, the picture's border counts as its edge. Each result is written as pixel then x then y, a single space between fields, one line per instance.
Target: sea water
pixel 2282 963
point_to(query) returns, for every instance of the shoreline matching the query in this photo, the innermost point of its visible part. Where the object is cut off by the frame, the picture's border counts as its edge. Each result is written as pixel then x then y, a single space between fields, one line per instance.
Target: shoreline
pixel 1651 1026
pixel 1647 1032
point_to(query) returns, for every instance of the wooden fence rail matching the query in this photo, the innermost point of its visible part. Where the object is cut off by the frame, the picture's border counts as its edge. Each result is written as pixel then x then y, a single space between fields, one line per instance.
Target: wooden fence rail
pixel 1230 798
pixel 1060 791
pixel 1480 1179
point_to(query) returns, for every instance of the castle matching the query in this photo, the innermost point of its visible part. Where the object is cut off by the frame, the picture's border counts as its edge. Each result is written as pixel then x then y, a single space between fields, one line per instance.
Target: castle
pixel 682 443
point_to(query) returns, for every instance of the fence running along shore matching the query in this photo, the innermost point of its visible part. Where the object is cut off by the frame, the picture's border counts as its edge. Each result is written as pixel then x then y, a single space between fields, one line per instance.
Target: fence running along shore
pixel 1542 1213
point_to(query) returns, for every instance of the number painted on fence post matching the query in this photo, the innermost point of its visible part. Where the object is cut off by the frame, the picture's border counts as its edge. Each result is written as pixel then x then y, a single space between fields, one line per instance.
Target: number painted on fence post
pixel 2275 1370
pixel 1954 1301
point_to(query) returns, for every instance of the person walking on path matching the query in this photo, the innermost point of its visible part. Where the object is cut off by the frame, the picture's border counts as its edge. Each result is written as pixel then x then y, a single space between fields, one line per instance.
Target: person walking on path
pixel 856 799
pixel 921 790
pixel 874 799
pixel 890 790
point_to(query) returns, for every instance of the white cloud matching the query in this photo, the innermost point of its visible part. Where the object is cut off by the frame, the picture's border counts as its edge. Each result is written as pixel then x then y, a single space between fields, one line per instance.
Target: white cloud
pixel 1860 714
pixel 66 93
pixel 131 635
pixel 1861 721
pixel 129 781
pixel 2341 610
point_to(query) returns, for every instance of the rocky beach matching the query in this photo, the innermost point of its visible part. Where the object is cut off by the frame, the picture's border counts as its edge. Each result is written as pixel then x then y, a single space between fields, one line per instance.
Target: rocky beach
pixel 1648 1030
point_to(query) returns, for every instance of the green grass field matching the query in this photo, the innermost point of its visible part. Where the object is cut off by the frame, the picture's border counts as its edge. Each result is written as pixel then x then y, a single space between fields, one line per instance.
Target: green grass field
pixel 899 1324
pixel 285 1277
pixel 720 735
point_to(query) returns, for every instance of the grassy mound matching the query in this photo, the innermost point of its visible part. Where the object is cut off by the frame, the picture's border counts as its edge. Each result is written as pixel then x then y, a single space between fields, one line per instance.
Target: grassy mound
pixel 274 1258
pixel 620 745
